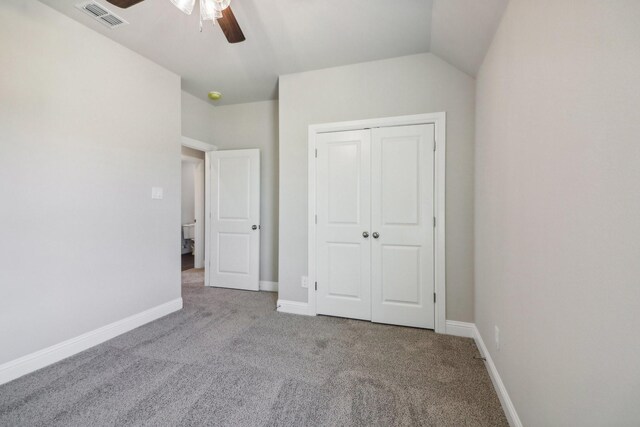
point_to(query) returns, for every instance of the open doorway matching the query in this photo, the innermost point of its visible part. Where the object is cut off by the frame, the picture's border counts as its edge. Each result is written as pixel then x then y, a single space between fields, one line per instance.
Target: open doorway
pixel 193 221
pixel 191 244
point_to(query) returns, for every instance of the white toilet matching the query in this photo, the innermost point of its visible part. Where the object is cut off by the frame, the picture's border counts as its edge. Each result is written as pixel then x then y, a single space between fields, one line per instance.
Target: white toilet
pixel 188 238
pixel 189 231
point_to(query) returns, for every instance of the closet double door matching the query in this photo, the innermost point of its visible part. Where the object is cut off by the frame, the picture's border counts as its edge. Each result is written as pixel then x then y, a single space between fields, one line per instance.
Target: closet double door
pixel 375 225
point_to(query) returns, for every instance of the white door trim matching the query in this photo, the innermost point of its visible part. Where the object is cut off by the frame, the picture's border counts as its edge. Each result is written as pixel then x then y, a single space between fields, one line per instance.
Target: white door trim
pixel 200 230
pixel 439 120
pixel 197 145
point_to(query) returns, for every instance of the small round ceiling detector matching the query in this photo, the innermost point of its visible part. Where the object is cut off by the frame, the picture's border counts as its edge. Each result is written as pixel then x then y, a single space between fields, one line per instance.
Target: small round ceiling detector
pixel 214 96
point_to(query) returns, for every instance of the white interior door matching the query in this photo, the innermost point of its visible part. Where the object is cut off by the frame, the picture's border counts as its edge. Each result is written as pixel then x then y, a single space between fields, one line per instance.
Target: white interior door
pixel 402 228
pixel 343 214
pixel 234 251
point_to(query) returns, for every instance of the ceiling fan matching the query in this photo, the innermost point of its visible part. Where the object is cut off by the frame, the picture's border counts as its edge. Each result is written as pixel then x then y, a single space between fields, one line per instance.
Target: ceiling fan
pixel 210 10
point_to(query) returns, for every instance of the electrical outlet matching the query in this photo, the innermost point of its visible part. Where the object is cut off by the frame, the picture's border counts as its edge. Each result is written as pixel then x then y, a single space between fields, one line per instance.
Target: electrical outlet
pixel 497 337
pixel 305 282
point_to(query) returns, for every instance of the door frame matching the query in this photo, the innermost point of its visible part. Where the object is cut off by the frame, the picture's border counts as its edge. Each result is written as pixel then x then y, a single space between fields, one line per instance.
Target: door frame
pixel 201 230
pixel 439 121
pixel 198 198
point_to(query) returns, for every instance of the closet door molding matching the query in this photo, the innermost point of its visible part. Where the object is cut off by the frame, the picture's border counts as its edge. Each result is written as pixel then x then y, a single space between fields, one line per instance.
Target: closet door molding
pixel 439 122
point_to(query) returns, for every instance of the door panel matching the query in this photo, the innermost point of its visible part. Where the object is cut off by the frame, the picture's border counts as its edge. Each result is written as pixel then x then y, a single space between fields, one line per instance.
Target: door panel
pixel 402 275
pixel 234 253
pixel 343 181
pixel 344 275
pixel 343 210
pixel 234 186
pixel 235 209
pixel 400 163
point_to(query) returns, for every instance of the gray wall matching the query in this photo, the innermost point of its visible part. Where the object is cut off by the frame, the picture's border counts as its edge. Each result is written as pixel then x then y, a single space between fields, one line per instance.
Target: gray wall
pixel 407 85
pixel 87 127
pixel 558 210
pixel 255 125
pixel 197 118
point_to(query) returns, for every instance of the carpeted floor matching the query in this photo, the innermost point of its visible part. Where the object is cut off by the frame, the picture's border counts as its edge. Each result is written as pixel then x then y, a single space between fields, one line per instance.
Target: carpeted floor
pixel 229 359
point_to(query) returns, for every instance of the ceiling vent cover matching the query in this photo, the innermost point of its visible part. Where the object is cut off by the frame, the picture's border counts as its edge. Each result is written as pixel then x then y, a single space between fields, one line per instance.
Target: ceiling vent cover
pixel 101 14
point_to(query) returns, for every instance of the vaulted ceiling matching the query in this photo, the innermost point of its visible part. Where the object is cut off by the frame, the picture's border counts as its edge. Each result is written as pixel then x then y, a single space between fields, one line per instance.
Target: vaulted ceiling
pixel 288 36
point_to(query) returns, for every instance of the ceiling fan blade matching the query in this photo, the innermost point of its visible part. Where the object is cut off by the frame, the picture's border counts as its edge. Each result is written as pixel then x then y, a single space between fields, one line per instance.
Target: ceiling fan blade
pixel 124 3
pixel 230 27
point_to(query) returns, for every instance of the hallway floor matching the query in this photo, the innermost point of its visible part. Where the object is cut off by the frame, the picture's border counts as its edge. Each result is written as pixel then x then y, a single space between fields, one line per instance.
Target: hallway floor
pixel 187 262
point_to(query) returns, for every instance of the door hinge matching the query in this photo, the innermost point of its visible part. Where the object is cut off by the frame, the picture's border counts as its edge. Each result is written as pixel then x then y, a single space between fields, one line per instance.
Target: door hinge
pixel 434 297
pixel 316 218
pixel 434 222
pixel 435 144
pixel 316 153
pixel 316 285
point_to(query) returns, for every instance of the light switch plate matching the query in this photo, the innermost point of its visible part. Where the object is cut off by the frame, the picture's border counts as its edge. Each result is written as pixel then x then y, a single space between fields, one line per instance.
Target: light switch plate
pixel 305 282
pixel 157 193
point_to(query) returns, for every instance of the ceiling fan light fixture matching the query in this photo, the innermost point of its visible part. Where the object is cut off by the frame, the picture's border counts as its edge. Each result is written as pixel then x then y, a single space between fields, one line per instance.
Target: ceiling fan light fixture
pixel 211 10
pixel 184 5
pixel 207 10
pixel 216 11
pixel 221 5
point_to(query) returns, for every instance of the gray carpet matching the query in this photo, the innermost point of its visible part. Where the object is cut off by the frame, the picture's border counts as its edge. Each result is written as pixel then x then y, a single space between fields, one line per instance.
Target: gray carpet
pixel 229 359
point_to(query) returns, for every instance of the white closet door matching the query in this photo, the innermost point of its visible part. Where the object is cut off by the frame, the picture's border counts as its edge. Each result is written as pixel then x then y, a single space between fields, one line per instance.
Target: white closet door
pixel 402 273
pixel 235 219
pixel 343 209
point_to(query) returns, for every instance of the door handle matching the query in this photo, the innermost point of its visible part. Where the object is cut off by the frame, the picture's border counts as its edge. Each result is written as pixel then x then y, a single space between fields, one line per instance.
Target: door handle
pixel 365 234
pixel 254 227
pixel 375 235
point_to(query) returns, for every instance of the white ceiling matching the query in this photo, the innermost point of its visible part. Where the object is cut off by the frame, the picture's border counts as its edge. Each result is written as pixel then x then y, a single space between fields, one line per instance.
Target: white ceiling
pixel 288 36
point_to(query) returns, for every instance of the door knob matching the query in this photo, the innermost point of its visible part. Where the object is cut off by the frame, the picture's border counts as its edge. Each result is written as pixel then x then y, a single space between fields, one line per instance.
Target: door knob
pixel 365 234
pixel 254 227
pixel 375 235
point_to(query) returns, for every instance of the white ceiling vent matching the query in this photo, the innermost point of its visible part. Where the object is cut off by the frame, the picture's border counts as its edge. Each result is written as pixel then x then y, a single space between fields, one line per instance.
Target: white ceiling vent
pixel 101 14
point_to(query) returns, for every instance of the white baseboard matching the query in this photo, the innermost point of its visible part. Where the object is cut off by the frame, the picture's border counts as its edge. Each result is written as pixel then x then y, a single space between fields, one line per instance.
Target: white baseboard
pixel 469 330
pixel 293 307
pixel 460 329
pixel 268 286
pixel 34 361
pixel 505 400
